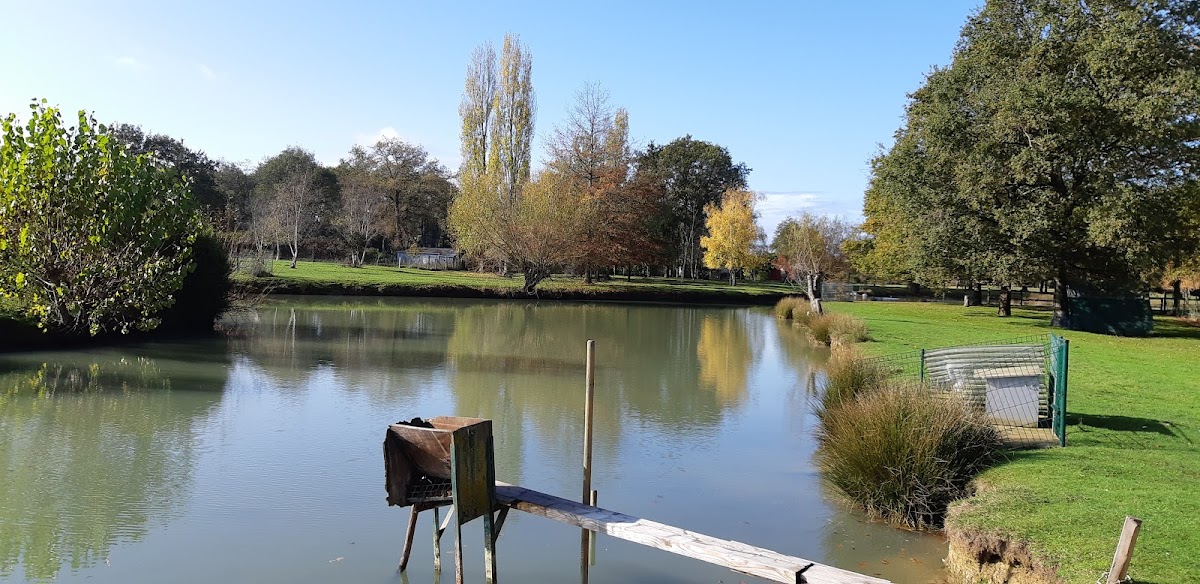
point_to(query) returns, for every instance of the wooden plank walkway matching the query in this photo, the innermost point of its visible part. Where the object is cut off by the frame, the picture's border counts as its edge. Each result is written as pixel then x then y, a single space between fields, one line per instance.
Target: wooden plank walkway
pixel 736 556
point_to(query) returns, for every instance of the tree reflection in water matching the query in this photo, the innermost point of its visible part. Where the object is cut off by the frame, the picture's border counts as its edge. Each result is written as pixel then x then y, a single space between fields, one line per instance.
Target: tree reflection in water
pixel 95 451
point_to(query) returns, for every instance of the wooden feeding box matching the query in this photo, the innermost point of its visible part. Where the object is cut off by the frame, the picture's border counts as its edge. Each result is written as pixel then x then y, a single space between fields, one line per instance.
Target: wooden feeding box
pixel 443 461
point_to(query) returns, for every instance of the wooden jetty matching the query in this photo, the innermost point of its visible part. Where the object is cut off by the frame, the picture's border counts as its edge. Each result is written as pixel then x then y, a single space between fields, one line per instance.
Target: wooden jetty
pixel 736 556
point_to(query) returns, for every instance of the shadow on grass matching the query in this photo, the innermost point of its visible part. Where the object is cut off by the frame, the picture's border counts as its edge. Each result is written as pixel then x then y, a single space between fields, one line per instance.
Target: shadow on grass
pixel 1123 431
pixel 1176 328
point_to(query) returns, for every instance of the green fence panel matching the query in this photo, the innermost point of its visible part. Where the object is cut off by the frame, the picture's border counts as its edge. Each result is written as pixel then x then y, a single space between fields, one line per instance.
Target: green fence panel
pixel 1060 349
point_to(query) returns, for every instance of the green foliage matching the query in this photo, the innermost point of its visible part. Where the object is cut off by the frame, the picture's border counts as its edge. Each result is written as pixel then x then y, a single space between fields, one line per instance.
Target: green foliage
pixel 93 238
pixel 903 453
pixel 694 174
pixel 1043 150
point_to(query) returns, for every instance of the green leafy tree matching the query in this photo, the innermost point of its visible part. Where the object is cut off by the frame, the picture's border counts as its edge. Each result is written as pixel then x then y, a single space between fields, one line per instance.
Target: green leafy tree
pixel 694 174
pixel 1062 135
pixel 93 238
pixel 166 151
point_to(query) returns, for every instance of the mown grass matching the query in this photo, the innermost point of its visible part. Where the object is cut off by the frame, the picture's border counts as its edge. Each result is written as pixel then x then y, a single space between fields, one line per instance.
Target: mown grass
pixel 1133 442
pixel 440 281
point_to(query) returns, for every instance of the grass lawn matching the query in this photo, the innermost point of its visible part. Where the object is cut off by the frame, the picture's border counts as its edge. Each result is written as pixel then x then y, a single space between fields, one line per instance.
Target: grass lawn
pixel 1133 428
pixel 439 281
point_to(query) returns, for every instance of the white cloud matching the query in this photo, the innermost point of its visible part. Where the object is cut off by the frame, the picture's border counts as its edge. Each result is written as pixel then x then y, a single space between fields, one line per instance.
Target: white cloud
pixel 774 207
pixel 131 63
pixel 207 73
pixel 386 133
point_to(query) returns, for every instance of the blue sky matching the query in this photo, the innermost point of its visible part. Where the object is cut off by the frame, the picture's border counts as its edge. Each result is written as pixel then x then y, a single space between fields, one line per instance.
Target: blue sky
pixel 802 92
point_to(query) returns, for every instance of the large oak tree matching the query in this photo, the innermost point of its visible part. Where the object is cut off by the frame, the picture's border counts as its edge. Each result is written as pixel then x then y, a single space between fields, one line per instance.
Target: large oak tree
pixel 1056 144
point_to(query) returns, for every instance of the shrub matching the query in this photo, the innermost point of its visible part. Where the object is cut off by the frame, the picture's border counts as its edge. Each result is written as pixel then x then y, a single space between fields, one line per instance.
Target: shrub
pixel 93 238
pixel 903 453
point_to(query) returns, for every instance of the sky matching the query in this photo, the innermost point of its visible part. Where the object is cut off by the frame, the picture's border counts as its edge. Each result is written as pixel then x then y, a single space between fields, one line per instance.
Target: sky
pixel 804 93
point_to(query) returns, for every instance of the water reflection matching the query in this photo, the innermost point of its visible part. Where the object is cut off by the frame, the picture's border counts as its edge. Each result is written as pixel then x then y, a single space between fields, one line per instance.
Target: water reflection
pixel 518 363
pixel 257 457
pixel 96 451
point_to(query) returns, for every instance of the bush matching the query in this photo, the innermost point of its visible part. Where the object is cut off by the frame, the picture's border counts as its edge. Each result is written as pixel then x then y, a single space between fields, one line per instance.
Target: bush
pixel 93 238
pixel 204 295
pixel 903 453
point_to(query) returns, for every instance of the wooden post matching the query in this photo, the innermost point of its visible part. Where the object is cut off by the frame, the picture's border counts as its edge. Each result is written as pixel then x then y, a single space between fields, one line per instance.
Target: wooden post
pixel 1129 535
pixel 592 536
pixel 589 397
pixel 408 537
pixel 437 539
pixel 458 558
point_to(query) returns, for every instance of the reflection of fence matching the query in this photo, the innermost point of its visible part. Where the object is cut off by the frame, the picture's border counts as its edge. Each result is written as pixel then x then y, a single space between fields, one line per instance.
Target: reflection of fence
pixel 1019 385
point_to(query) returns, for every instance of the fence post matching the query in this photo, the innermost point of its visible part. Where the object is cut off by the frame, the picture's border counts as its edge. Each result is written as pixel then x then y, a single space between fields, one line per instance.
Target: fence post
pixel 1060 394
pixel 922 372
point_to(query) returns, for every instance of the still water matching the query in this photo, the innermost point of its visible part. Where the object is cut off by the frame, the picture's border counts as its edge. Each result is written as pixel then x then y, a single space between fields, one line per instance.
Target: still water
pixel 257 458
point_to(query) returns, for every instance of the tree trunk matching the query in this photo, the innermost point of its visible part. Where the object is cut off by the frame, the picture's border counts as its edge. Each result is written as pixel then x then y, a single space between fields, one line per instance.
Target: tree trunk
pixel 533 277
pixel 1005 308
pixel 732 275
pixel 977 294
pixel 1062 307
pixel 814 300
pixel 587 274
pixel 1177 298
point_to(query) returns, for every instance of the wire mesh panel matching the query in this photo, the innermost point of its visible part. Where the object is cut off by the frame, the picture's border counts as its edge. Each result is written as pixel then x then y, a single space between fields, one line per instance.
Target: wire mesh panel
pixel 1018 385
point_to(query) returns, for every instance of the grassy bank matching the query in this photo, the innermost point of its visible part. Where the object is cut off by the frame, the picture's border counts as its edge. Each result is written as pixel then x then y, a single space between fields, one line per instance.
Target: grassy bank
pixel 1133 433
pixel 333 278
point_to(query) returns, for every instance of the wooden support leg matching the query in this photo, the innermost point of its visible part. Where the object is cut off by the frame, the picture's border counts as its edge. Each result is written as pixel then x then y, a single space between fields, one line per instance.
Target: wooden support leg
pixel 499 524
pixel 489 548
pixel 408 537
pixel 437 540
pixel 458 556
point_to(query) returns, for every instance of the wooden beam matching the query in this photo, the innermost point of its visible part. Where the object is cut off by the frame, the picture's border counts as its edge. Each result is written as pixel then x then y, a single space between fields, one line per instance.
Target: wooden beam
pixel 1120 564
pixel 736 556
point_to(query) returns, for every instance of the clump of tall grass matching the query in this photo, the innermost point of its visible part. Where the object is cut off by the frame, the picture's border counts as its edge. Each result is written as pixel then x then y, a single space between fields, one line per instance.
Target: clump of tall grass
pixel 790 307
pixel 900 451
pixel 847 375
pixel 847 329
pixel 827 328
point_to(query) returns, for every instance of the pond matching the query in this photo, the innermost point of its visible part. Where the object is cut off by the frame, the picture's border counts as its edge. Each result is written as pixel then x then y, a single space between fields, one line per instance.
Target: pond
pixel 257 457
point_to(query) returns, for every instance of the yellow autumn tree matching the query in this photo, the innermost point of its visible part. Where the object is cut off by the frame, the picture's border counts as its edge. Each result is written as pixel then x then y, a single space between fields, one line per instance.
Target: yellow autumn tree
pixel 732 232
